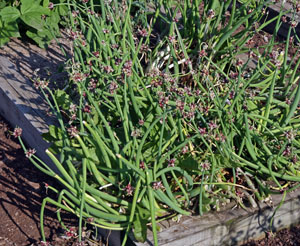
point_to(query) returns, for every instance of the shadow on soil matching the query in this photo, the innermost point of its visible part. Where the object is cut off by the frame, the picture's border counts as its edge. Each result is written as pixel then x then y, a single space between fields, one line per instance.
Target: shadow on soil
pixel 21 194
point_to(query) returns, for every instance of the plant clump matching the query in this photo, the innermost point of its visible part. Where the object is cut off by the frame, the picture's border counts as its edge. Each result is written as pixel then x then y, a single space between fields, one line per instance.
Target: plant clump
pixel 164 116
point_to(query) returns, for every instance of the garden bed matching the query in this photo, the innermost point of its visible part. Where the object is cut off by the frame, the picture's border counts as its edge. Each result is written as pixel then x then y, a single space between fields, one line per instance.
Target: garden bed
pixel 231 225
pixel 22 191
pixel 189 231
pixel 228 226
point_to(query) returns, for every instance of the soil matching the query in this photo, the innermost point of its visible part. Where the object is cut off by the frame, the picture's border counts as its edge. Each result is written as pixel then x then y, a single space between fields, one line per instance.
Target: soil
pixel 285 237
pixel 22 190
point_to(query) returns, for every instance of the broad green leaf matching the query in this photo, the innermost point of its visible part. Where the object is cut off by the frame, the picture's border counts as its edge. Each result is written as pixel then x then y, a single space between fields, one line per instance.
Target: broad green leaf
pixel 54 132
pixel 34 20
pixel 3 4
pixel 46 3
pixel 8 30
pixel 9 14
pixel 32 12
pixel 28 5
pixel 3 40
pixel 35 37
pixel 94 155
pixel 214 5
pixel 76 153
pixel 140 229
pixel 63 10
pixel 42 38
pixel 189 164
pixel 56 147
pixel 52 21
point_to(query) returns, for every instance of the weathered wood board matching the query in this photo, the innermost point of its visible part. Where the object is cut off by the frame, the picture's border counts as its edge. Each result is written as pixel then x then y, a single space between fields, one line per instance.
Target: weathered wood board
pixel 24 107
pixel 274 10
pixel 230 227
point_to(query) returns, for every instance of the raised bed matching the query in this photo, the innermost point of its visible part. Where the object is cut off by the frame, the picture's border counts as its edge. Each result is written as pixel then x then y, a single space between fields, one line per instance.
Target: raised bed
pixel 231 226
pixel 21 105
pixel 273 11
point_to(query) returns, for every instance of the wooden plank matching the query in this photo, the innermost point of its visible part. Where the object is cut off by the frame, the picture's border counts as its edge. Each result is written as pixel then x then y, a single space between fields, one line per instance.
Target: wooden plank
pixel 273 11
pixel 229 227
pixel 22 106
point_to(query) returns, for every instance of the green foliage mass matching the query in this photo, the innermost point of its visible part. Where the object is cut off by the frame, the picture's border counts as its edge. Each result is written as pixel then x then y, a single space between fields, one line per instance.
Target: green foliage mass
pixel 163 116
pixel 36 18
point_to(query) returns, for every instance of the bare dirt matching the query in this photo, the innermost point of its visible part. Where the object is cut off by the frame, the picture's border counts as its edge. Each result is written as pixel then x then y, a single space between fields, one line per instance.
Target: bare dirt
pixel 22 190
pixel 285 237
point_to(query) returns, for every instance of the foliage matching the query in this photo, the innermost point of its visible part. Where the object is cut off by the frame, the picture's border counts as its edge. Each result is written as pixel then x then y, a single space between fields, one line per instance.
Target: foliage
pixel 39 19
pixel 162 116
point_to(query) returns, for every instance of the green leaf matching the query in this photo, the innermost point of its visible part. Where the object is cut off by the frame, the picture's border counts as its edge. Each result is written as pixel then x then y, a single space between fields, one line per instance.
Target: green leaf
pixel 55 133
pixel 215 5
pixel 62 99
pixel 28 5
pixel 34 20
pixel 96 118
pixel 3 40
pixel 56 147
pixel 140 224
pixel 63 10
pixel 8 30
pixel 94 155
pixel 9 14
pixel 46 3
pixel 52 21
pixel 32 12
pixel 76 153
pixel 189 164
pixel 41 38
pixel 47 137
pixel 2 4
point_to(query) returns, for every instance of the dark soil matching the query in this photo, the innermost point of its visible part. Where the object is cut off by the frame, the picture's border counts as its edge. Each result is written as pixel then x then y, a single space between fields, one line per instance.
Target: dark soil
pixel 22 190
pixel 285 237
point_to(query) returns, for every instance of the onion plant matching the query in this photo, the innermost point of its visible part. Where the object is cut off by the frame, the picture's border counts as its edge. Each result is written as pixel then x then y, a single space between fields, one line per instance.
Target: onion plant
pixel 161 117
